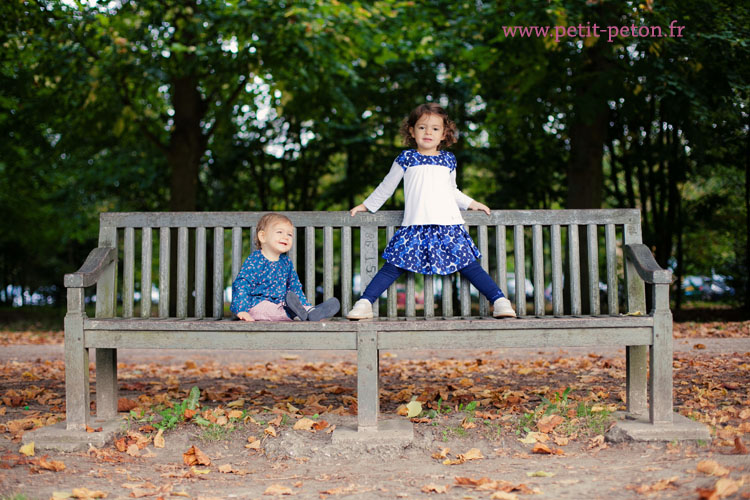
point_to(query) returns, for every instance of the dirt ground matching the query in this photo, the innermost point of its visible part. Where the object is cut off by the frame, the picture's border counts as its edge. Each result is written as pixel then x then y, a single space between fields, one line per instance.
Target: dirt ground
pixel 479 406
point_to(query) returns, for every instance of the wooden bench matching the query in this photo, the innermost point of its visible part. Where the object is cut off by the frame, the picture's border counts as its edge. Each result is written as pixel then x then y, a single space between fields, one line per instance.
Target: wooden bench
pixel 195 256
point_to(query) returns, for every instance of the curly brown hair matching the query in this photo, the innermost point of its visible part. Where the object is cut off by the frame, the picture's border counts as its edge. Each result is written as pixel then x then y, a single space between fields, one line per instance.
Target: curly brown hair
pixel 266 221
pixel 451 132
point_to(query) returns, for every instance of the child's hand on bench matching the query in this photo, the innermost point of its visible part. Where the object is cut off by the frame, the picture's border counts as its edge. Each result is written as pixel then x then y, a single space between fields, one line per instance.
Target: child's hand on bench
pixel 245 316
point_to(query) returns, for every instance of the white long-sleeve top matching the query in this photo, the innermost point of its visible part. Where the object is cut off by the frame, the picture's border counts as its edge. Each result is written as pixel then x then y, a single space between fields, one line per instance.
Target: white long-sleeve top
pixel 430 190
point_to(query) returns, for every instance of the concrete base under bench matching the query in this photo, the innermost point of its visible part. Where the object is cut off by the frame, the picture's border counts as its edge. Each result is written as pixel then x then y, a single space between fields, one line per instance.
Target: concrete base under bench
pixel 58 438
pixel 640 429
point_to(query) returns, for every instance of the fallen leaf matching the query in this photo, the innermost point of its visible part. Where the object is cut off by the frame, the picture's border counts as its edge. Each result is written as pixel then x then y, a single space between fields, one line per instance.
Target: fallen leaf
pixel 270 431
pixel 435 488
pixel 739 447
pixel 319 426
pixel 472 454
pixel 502 495
pixel 543 449
pixel 85 493
pixel 125 405
pixel 699 346
pixel 195 456
pixel 303 424
pixel 534 437
pixel 133 450
pixel 278 490
pixel 712 468
pixel 159 439
pixel 226 468
pixel 548 423
pixel 442 454
pixel 414 408
pixel 725 487
pixel 540 473
pixel 53 465
pixel 402 411
pixel 27 449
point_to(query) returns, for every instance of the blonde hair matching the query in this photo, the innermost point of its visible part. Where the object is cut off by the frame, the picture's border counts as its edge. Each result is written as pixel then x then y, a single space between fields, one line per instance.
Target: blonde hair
pixel 267 220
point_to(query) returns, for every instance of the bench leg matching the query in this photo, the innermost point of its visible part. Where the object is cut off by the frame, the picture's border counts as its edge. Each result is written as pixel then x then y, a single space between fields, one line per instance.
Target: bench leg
pixel 660 381
pixel 636 359
pixel 77 395
pixel 368 394
pixel 106 383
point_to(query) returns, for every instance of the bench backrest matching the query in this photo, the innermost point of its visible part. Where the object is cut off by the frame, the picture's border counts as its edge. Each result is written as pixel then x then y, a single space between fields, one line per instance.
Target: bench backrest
pixel 196 255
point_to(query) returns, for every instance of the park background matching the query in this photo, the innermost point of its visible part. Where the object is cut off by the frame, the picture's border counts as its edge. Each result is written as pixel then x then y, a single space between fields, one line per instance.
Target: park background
pixel 270 105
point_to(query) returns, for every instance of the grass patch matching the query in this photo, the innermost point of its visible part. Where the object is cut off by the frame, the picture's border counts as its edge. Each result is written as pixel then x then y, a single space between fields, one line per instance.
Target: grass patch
pixel 579 418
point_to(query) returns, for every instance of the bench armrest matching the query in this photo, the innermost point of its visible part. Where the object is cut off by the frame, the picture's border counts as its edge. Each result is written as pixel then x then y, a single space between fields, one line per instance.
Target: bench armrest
pixel 92 269
pixel 646 266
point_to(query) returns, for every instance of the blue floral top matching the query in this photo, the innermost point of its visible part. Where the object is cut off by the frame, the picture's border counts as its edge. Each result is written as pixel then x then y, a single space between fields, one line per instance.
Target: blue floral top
pixel 261 279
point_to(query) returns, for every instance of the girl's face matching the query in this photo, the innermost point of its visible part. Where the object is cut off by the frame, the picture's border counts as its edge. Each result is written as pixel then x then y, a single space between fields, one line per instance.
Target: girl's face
pixel 428 132
pixel 276 239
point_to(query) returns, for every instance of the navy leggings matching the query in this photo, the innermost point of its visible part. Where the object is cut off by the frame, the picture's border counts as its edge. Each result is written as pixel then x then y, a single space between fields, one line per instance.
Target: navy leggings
pixel 473 272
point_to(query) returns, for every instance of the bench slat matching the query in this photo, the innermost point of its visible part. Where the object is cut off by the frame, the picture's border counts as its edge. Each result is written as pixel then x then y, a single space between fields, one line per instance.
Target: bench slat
pixel 557 274
pixel 391 301
pixel 368 259
pixel 593 267
pixel 519 269
pixel 327 262
pixel 310 264
pixel 146 258
pixel 218 281
pixel 538 267
pixel 574 271
pixel 447 296
pixel 164 250
pixel 128 272
pixel 200 272
pixel 429 296
pixel 538 337
pixel 501 258
pixel 410 302
pixel 175 339
pixel 611 255
pixel 182 272
pixel 484 304
pixel 236 251
pixel 346 270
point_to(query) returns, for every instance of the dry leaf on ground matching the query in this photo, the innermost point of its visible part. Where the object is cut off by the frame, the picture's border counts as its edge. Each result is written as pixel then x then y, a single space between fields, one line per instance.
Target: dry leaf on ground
pixel 194 456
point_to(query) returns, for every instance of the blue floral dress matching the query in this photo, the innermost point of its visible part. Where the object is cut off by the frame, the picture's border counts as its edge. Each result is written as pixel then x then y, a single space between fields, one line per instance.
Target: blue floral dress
pixel 431 248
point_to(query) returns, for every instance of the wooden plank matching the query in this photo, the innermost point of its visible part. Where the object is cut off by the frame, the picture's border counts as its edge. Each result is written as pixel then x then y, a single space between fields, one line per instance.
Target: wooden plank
pixel 519 269
pixel 200 272
pixel 470 339
pixel 236 252
pixel 310 264
pixel 368 379
pixel 660 369
pixel 368 257
pixel 636 357
pixel 538 269
pixel 128 272
pixel 218 281
pixel 411 310
pixel 327 262
pixel 292 251
pixel 501 257
pixel 346 270
pixel 593 268
pixel 447 296
pixel 164 277
pixel 464 296
pixel 225 340
pixel 557 275
pixel 400 324
pixel 429 296
pixel 146 264
pixel 182 272
pixel 391 301
pixel 77 393
pixel 484 304
pixel 107 392
pixel 574 270
pixel 381 218
pixel 610 249
pixel 106 287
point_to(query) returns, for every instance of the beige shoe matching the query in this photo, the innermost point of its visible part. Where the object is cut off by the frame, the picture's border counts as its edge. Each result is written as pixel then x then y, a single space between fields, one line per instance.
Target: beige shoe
pixel 503 309
pixel 362 310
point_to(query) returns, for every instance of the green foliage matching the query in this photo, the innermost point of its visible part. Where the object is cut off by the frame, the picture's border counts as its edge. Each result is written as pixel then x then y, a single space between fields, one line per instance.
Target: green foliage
pixel 170 416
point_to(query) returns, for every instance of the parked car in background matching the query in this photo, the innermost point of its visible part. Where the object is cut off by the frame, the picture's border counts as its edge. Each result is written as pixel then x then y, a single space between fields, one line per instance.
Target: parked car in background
pixel 712 287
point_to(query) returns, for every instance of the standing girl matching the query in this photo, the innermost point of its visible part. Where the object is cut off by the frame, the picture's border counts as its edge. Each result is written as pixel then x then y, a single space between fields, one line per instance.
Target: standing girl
pixel 432 238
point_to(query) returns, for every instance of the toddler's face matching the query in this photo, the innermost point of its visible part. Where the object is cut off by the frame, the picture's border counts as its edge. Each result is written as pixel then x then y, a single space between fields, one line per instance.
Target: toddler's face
pixel 277 238
pixel 428 132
